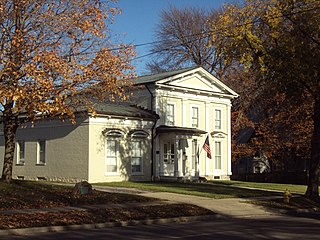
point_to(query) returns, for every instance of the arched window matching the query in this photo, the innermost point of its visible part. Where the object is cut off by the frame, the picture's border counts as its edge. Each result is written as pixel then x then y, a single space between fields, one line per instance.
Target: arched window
pixel 139 134
pixel 113 133
pixel 112 143
pixel 138 148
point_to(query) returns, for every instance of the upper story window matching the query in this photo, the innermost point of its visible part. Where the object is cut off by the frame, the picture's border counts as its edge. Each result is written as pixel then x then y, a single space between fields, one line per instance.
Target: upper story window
pixel 195 117
pixel 217 119
pixel 170 114
pixel 41 159
pixel 20 152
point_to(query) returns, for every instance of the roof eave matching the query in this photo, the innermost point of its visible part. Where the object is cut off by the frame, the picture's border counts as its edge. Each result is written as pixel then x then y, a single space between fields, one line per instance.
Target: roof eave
pixel 110 115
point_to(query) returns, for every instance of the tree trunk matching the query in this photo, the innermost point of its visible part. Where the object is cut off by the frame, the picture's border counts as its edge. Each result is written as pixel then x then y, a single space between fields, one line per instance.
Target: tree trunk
pixel 314 171
pixel 9 127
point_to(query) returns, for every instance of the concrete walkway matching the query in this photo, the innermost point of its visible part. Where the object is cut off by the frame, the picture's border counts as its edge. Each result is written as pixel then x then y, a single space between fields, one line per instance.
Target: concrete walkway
pixel 229 207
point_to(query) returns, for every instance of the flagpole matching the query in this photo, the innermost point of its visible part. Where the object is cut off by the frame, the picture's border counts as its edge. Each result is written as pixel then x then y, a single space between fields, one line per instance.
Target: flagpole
pixel 201 148
pixel 198 161
pixel 206 147
pixel 199 153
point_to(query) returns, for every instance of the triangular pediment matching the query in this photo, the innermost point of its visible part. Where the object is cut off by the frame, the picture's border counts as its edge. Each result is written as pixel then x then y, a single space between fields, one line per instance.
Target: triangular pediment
pixel 198 80
pixel 197 83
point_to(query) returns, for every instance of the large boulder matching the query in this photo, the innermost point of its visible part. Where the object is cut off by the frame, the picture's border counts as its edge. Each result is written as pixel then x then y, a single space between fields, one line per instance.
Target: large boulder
pixel 82 188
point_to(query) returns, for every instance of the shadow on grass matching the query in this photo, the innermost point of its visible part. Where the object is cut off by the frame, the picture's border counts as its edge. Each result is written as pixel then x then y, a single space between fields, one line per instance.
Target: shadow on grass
pixel 298 203
pixel 223 191
pixel 298 206
pixel 198 189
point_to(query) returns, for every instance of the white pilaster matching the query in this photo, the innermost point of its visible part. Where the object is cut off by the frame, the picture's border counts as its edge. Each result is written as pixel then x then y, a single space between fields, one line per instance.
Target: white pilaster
pixel 207 163
pixel 207 114
pixel 158 165
pixel 229 140
pixel 177 159
pixel 184 112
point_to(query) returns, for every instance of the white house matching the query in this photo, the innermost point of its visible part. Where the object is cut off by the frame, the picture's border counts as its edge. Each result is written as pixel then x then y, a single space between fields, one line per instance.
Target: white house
pixel 192 104
pixel 158 135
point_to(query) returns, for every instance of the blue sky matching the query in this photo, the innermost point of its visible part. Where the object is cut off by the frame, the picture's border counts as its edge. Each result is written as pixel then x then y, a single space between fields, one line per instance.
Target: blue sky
pixel 139 19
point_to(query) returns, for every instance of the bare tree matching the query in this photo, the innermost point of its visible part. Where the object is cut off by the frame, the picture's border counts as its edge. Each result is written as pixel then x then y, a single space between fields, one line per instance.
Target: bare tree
pixel 183 36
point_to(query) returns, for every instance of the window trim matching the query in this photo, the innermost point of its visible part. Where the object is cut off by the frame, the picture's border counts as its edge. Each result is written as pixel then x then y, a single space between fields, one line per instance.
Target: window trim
pixel 215 155
pixel 20 161
pixel 169 152
pixel 138 136
pixel 116 133
pixel 116 156
pixel 194 154
pixel 39 163
pixel 141 157
pixel 215 119
pixel 192 117
pixel 173 116
pixel 112 135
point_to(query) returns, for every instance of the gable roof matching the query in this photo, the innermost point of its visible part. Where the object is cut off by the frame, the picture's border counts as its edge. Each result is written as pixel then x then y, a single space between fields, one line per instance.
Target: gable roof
pixel 159 76
pixel 191 79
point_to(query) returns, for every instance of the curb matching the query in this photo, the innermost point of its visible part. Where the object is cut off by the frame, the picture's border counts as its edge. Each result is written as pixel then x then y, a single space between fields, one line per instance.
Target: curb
pixel 34 230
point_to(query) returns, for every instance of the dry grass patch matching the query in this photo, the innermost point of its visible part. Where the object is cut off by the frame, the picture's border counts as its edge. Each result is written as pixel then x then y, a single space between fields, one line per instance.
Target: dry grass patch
pixel 26 194
pixel 99 216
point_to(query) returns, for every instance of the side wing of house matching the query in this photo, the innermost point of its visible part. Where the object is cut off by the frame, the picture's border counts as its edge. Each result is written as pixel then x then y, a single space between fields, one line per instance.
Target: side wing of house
pixel 114 145
pixel 120 148
pixel 51 150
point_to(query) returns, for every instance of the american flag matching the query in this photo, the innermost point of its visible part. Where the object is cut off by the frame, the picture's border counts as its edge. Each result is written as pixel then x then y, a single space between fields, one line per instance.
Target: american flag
pixel 206 147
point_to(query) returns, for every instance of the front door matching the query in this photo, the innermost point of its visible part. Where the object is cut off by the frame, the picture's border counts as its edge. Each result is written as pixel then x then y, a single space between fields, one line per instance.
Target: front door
pixel 168 157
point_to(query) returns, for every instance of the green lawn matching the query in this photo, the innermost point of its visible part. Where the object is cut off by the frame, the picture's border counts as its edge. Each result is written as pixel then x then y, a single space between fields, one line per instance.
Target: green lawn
pixel 220 190
pixel 301 189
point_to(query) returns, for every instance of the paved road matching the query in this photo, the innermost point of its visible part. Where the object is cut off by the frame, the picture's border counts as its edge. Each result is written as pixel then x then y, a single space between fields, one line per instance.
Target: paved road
pixel 268 227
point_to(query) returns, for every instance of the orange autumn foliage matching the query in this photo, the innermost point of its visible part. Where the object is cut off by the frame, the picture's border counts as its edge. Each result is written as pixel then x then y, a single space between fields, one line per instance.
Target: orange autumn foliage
pixel 55 56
